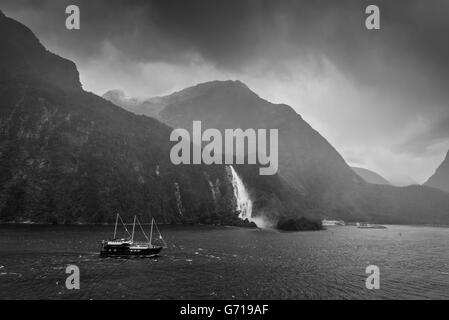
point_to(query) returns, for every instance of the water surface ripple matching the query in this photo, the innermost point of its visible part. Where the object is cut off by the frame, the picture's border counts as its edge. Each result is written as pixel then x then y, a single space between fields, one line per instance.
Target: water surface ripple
pixel 228 263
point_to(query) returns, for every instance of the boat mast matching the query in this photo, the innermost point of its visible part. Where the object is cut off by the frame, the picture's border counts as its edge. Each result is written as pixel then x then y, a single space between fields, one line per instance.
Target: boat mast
pixel 151 232
pixel 115 229
pixel 134 225
pixel 160 234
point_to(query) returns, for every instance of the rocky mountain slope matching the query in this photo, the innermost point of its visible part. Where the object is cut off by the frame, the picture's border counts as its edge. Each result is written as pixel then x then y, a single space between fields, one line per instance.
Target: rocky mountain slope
pixel 307 162
pixel 440 179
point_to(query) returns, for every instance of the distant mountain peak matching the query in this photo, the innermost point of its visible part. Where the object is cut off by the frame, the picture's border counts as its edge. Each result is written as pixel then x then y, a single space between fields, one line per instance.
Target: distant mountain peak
pixel 116 93
pixel 370 176
pixel 222 84
pixel 230 88
pixel 440 179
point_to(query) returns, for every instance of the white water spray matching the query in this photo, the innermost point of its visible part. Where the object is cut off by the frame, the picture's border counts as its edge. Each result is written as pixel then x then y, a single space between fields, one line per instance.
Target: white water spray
pixel 244 202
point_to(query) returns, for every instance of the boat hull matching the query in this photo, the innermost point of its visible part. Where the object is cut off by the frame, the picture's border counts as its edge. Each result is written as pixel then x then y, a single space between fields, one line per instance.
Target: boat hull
pixel 127 251
pixel 372 227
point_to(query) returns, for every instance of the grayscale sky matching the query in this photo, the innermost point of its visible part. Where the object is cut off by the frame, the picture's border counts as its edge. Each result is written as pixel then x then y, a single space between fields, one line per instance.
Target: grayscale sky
pixel 380 97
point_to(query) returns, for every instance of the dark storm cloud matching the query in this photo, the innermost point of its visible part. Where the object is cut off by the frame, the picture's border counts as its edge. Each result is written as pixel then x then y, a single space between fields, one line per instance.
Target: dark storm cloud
pixel 230 33
pixel 407 59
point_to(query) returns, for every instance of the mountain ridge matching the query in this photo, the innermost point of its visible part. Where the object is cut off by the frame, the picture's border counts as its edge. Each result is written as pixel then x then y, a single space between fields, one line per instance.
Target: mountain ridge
pixel 440 179
pixel 245 109
pixel 307 161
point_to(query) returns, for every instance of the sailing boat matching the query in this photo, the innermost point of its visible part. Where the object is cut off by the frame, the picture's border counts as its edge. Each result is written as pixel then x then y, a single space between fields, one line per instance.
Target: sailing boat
pixel 127 247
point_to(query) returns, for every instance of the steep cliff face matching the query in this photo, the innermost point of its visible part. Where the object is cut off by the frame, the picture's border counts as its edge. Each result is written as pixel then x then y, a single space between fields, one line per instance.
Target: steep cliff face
pixel 24 60
pixel 70 156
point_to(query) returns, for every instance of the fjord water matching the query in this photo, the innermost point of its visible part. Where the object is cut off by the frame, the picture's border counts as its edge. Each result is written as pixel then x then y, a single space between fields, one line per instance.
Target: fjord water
pixel 204 262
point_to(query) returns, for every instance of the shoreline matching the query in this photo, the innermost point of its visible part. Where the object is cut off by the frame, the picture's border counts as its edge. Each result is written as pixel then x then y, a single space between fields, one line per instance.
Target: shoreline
pixel 106 224
pixel 30 223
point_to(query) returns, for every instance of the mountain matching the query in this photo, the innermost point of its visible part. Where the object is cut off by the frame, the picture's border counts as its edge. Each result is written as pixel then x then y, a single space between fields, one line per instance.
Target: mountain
pixel 440 179
pixel 24 61
pixel 403 180
pixel 69 156
pixel 308 163
pixel 121 99
pixel 370 176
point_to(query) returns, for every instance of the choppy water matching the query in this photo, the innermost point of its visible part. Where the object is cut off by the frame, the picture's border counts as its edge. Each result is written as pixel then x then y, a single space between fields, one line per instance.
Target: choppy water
pixel 228 263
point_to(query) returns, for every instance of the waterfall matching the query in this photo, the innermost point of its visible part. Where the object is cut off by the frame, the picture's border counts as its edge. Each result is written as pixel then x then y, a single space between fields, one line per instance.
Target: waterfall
pixel 244 203
pixel 178 199
pixel 214 187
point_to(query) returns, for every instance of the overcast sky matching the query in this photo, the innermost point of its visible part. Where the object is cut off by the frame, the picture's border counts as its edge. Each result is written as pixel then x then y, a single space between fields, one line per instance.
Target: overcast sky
pixel 379 96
